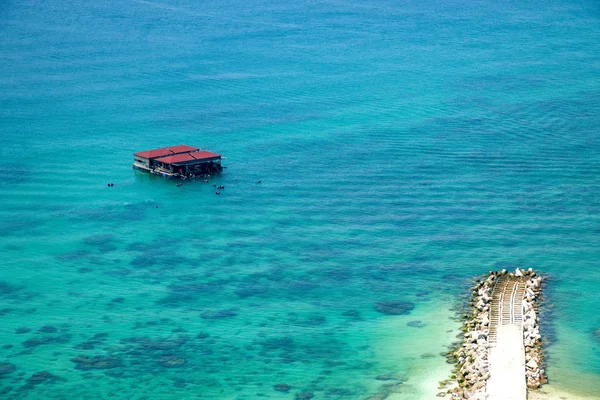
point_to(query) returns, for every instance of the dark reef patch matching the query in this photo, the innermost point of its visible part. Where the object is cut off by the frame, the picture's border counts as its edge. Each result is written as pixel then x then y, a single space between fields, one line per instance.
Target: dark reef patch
pixel 304 396
pixel 282 387
pixel 396 307
pixel 88 345
pixel 94 341
pixel 341 392
pixel 315 320
pixel 416 324
pixel 48 329
pixel 7 368
pixel 278 343
pixel 351 313
pixel 176 300
pixel 160 257
pixel 43 377
pixel 155 322
pixel 147 259
pixel 76 255
pixel 119 272
pixel 179 383
pixel 184 293
pixel 8 289
pixel 86 363
pixel 165 352
pixel 98 240
pixel 139 246
pixel 39 341
pixel 391 377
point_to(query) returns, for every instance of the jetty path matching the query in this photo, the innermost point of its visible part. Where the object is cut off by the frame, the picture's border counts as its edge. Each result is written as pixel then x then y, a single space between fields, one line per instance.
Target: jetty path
pixel 507 353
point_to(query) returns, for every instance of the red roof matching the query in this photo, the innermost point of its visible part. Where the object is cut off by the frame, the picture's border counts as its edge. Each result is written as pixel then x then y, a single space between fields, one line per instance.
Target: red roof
pixel 177 158
pixel 185 157
pixel 154 153
pixel 183 148
pixel 201 155
pixel 166 151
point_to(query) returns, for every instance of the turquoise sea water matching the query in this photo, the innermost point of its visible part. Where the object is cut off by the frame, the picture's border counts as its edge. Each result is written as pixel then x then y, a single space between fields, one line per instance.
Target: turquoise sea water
pixel 403 148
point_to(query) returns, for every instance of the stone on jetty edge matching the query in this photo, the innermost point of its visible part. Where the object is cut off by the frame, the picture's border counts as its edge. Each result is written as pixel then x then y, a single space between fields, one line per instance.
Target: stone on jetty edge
pixel 532 340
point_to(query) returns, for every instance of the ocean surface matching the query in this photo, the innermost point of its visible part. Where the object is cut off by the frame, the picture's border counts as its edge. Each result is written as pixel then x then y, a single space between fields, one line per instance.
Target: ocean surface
pixel 404 148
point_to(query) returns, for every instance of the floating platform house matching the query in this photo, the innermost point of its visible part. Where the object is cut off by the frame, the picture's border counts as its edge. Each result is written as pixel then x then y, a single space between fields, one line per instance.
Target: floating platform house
pixel 180 161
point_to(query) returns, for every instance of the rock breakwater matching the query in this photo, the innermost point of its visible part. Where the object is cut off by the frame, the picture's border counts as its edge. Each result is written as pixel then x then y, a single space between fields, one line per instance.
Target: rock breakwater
pixel 535 372
pixel 493 298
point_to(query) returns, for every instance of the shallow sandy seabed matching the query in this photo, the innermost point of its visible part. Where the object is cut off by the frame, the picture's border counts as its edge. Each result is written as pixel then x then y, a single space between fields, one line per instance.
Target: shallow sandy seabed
pixel 424 373
pixel 548 392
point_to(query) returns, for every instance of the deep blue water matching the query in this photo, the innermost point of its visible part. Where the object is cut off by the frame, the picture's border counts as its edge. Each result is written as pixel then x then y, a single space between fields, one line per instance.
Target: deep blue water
pixel 403 148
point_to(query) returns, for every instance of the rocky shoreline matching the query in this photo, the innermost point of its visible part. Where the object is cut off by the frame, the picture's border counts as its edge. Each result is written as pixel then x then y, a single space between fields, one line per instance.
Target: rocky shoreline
pixel 470 353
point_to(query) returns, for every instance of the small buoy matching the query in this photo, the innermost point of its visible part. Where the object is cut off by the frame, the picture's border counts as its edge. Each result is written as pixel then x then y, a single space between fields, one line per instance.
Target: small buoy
pixel 217 192
pixel 258 181
pixel 155 206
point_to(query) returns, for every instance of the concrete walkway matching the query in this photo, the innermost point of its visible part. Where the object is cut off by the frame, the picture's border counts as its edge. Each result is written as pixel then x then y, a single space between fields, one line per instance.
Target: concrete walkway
pixel 506 355
pixel 507 365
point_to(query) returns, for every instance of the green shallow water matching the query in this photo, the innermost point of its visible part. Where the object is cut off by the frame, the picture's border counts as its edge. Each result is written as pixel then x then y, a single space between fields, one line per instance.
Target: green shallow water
pixel 403 149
